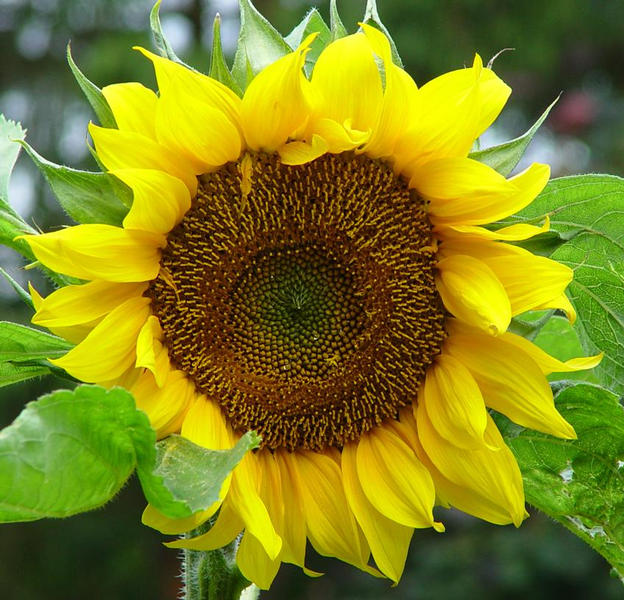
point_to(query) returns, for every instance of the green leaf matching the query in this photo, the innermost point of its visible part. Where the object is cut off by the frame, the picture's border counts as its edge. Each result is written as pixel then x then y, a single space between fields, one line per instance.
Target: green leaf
pixel 162 44
pixel 259 45
pixel 311 23
pixel 14 373
pixel 338 30
pixel 87 197
pixel 580 483
pixel 371 17
pixel 19 343
pixel 93 94
pixel 11 224
pixel 188 478
pixel 218 66
pixel 504 157
pixel 69 452
pixel 586 211
pixel 21 292
pixel 72 451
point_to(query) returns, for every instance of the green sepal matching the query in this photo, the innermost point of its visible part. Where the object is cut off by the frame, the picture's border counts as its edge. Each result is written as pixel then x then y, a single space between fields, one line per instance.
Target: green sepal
pixel 87 197
pixel 218 66
pixel 19 343
pixel 579 483
pixel 311 23
pixel 371 17
pixel 24 296
pixel 11 224
pixel 93 94
pixel 162 44
pixel 187 478
pixel 586 214
pixel 338 30
pixel 504 157
pixel 259 45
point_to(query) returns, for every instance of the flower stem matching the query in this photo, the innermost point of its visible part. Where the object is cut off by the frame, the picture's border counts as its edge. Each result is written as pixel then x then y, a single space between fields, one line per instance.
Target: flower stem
pixel 214 575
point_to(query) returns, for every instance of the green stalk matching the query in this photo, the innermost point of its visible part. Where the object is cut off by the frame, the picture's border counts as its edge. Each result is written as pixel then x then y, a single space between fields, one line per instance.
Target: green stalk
pixel 214 575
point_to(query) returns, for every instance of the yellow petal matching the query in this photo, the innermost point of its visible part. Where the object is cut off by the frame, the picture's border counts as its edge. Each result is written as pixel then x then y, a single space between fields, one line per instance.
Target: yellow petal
pixel 454 403
pixel 348 83
pixel 510 380
pixel 149 348
pixel 133 106
pixel 200 133
pixel 72 333
pixel 254 563
pixel 276 103
pixel 78 304
pixel 471 291
pixel 159 199
pixel 389 541
pixel 294 528
pixel 549 364
pixel 452 111
pixel 153 518
pixel 205 425
pixel 247 502
pixel 338 137
pixel 490 473
pixel 473 204
pixel 400 98
pixel 227 526
pixel 174 78
pixel 560 302
pixel 119 149
pixel 513 233
pixel 100 252
pixel 394 480
pixel 110 349
pixel 331 526
pixel 298 153
pixel 531 282
pixel 461 190
pixel 472 500
pixel 165 404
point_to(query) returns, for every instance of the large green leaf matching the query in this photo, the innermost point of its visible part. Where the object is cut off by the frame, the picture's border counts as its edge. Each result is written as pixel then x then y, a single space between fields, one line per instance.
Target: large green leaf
pixel 580 483
pixel 11 224
pixel 504 157
pixel 259 45
pixel 72 451
pixel 311 23
pixel 69 452
pixel 87 197
pixel 19 343
pixel 92 93
pixel 587 217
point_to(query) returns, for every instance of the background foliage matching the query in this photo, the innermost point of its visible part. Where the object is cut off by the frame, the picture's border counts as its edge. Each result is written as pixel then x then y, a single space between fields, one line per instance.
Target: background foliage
pixel 559 46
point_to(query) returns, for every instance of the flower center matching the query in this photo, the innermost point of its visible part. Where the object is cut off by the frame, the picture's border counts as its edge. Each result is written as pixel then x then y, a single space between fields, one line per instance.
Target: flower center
pixel 302 298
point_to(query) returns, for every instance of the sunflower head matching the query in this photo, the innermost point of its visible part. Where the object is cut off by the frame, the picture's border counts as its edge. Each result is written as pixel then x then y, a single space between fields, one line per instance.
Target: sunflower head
pixel 317 259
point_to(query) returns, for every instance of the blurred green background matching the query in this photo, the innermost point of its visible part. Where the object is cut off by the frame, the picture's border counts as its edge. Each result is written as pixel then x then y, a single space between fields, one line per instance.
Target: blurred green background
pixel 562 45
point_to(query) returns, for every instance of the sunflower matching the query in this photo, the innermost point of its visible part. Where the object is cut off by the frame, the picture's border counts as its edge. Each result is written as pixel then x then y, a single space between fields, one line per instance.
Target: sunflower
pixel 310 262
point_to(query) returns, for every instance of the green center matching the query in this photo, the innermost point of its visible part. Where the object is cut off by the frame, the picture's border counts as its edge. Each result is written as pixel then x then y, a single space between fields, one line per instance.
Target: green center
pixel 295 310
